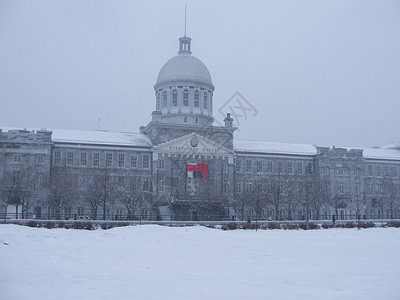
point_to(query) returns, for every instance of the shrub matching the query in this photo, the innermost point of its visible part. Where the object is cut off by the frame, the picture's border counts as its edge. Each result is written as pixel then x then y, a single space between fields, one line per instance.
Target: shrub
pixel 348 225
pixel 49 225
pixel 273 225
pixel 366 225
pixel 290 226
pixel 327 225
pixel 395 224
pixel 32 224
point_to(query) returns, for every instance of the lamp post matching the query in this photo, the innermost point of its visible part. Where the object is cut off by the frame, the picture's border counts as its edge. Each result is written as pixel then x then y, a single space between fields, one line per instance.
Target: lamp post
pixel 308 171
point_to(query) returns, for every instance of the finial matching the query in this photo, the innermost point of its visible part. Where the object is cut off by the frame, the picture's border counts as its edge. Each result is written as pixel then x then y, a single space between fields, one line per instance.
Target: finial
pixel 184 42
pixel 185 20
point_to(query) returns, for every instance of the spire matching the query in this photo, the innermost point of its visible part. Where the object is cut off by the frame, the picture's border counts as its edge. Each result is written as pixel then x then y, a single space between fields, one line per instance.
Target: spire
pixel 184 42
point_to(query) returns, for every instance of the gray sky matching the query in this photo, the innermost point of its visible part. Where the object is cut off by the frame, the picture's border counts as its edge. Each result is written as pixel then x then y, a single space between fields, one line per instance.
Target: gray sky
pixel 319 72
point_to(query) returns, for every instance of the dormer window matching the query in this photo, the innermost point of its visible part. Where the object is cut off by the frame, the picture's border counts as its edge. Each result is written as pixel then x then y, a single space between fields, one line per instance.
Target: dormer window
pixel 185 98
pixel 205 101
pixel 174 98
pixel 196 98
pixel 165 99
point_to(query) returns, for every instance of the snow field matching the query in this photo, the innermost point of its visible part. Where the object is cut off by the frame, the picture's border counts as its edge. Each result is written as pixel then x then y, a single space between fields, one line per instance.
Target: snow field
pixel 156 262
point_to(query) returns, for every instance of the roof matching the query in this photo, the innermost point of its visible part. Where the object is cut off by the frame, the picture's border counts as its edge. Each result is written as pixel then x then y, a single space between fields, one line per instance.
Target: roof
pixel 379 153
pixel 184 67
pixel 274 148
pixel 96 137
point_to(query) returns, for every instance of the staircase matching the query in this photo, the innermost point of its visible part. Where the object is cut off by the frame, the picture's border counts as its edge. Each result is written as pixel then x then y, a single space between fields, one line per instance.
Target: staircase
pixel 165 213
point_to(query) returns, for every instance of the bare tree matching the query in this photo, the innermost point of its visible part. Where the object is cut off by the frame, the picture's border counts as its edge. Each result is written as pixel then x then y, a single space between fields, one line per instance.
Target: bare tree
pixel 319 194
pixel 276 194
pixel 129 196
pixel 62 190
pixel 391 196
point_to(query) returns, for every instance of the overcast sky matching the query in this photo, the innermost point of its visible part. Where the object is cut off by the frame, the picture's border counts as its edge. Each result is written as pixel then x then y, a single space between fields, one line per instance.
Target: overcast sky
pixel 318 72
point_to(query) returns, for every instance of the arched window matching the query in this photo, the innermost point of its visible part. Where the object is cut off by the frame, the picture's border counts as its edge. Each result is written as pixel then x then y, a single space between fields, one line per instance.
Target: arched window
pixel 158 102
pixel 174 98
pixel 205 101
pixel 185 98
pixel 164 103
pixel 196 98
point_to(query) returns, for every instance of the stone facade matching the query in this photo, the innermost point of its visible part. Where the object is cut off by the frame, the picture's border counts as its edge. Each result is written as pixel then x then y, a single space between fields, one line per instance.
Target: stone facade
pixel 181 166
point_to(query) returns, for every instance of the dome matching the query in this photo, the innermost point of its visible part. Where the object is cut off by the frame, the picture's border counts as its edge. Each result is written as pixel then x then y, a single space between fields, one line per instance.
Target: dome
pixel 184 67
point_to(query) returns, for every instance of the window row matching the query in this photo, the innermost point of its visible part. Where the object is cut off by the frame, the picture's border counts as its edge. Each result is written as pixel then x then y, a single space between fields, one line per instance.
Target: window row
pixel 121 160
pixel 39 159
pixel 289 167
pixel 382 171
pixel 205 100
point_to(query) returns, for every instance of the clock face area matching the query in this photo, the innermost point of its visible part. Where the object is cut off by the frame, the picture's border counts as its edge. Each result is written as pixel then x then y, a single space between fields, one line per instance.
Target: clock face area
pixel 194 142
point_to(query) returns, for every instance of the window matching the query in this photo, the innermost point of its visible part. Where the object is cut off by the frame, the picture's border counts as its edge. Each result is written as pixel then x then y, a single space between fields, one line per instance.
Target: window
pixel 146 161
pixel 326 171
pixel 96 159
pixel 340 171
pixel 300 168
pixel 379 190
pixel 40 159
pixel 161 164
pixel 369 171
pixel 17 158
pixel 205 101
pixel 121 160
pixel 81 211
pixel 393 171
pixel 269 167
pixel 109 159
pixel 196 98
pixel 196 120
pixel 146 184
pixel 259 166
pixel 238 165
pixel 248 166
pixel 161 184
pixel 341 188
pixel 290 167
pixel 238 186
pixel 185 98
pixel 185 119
pixel 356 172
pixel 378 171
pixel 164 103
pixel 224 166
pixel 248 186
pixel 174 98
pixel 82 159
pixel 280 168
pixel 70 158
pixel 158 102
pixel 371 189
pixel 57 157
pixel 386 170
pixel 133 161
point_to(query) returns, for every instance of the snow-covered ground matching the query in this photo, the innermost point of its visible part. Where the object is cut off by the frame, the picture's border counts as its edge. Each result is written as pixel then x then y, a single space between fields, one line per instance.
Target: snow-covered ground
pixel 155 262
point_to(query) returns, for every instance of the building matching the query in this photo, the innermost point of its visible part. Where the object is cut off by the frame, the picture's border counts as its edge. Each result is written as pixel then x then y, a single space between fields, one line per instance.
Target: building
pixel 182 166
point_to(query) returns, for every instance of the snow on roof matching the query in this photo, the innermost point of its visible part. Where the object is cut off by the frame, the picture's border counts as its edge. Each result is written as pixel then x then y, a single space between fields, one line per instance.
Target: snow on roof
pixel 273 148
pixel 95 137
pixel 394 145
pixel 379 153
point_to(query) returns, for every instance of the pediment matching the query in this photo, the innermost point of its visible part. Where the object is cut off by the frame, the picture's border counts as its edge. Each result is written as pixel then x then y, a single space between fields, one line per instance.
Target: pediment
pixel 193 144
